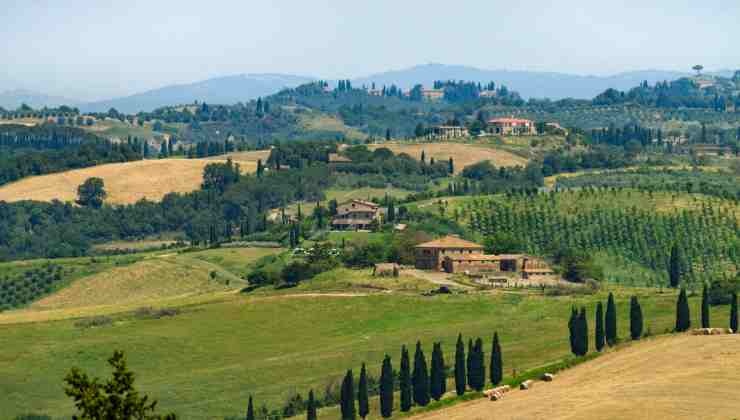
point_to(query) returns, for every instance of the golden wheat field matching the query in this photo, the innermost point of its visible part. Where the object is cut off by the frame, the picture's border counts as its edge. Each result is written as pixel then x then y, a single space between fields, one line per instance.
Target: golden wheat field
pixel 127 182
pixel 676 377
pixel 462 154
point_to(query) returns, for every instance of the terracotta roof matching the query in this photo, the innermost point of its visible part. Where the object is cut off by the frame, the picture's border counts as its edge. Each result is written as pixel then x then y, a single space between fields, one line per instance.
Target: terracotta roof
pixel 472 257
pixel 450 242
pixel 509 120
pixel 336 157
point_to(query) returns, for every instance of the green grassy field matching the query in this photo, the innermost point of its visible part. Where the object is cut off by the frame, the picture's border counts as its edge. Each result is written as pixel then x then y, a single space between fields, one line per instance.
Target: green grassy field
pixel 204 362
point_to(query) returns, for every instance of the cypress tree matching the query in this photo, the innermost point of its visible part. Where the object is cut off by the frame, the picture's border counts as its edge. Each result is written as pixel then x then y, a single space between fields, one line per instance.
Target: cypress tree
pixel 405 380
pixel 460 379
pixel 386 388
pixel 311 406
pixel 683 316
pixel 733 313
pixel 635 319
pixel 705 308
pixel 572 329
pixel 674 267
pixel 611 321
pixel 362 401
pixel 497 367
pixel 438 385
pixel 469 364
pixel 250 409
pixel 477 376
pixel 599 327
pixel 420 377
pixel 347 397
pixel 582 333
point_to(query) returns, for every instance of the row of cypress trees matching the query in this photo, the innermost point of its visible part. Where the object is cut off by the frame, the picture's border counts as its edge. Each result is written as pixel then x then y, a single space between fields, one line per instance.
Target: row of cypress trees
pixel 683 315
pixel 420 384
pixel 605 330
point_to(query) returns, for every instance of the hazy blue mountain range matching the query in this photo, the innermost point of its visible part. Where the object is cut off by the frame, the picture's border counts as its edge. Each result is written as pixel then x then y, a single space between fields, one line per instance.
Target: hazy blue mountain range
pixel 244 87
pixel 528 83
pixel 12 99
pixel 220 90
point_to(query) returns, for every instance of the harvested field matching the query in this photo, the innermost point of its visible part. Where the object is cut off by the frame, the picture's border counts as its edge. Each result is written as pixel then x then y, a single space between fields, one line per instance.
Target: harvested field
pixel 462 154
pixel 678 377
pixel 150 280
pixel 125 183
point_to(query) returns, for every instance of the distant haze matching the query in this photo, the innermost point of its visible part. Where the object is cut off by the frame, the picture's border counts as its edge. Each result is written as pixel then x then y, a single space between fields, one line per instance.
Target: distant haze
pixel 92 51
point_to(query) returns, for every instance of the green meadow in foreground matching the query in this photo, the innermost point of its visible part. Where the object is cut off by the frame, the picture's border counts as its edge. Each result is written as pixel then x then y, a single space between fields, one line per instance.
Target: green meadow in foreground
pixel 206 360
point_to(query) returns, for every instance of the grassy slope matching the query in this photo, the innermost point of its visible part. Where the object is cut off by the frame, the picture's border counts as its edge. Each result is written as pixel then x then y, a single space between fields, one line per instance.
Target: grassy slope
pixel 463 154
pixel 117 284
pixel 647 376
pixel 125 183
pixel 205 361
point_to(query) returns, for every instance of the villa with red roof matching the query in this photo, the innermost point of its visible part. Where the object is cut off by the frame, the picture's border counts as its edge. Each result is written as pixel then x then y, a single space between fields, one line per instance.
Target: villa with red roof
pixel 511 126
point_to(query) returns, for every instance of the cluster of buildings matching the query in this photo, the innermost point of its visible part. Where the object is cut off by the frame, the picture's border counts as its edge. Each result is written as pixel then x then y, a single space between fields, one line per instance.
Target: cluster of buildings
pixel 453 254
pixel 450 254
pixel 506 126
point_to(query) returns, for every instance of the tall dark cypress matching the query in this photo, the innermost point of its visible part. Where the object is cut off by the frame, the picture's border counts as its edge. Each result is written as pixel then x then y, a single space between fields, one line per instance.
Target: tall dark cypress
pixel 420 377
pixel 683 316
pixel 573 330
pixel 635 319
pixel 469 363
pixel 733 313
pixel 386 388
pixel 460 378
pixel 311 406
pixel 438 379
pixel 497 367
pixel 363 408
pixel 477 374
pixel 250 409
pixel 705 308
pixel 347 397
pixel 611 321
pixel 599 327
pixel 674 267
pixel 404 379
pixel 582 333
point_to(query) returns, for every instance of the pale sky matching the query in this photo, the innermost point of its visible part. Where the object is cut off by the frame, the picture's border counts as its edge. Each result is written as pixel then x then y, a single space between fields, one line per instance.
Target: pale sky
pixel 96 49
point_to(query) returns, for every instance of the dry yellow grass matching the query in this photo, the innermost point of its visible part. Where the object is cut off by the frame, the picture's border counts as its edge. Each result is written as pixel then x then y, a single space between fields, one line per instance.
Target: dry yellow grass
pixel 125 183
pixel 681 377
pixel 462 154
pixel 151 280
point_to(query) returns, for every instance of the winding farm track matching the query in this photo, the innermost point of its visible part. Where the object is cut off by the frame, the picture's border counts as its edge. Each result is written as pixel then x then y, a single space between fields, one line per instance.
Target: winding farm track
pixel 676 377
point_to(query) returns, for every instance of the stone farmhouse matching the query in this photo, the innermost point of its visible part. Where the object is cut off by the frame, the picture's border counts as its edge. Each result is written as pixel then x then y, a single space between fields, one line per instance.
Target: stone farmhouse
pixel 455 255
pixel 356 215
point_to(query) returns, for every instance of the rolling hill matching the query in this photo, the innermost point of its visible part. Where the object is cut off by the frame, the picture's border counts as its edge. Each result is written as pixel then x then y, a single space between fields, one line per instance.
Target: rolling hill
pixel 125 183
pixel 640 382
pixel 12 99
pixel 220 90
pixel 530 84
